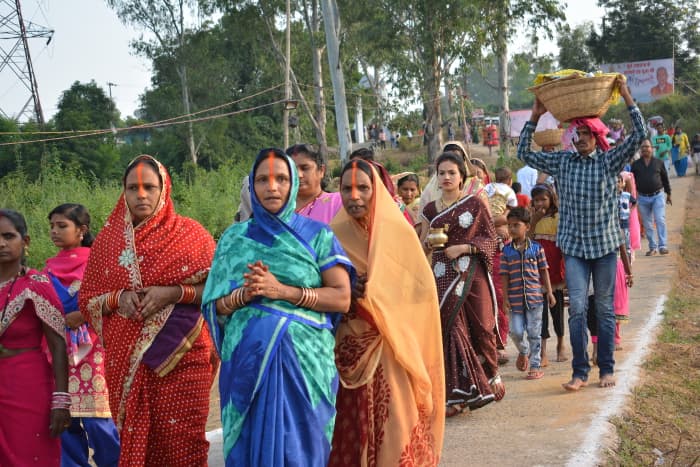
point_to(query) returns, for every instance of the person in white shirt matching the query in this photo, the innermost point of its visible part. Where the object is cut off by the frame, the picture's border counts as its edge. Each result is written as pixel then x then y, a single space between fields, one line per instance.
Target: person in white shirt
pixel 527 177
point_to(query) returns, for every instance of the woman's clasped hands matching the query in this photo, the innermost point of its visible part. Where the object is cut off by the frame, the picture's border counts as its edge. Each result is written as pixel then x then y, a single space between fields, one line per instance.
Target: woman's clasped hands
pixel 260 282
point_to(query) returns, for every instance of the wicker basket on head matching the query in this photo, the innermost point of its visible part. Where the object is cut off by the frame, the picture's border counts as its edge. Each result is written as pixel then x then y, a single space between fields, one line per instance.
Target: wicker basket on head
pixel 576 96
pixel 548 137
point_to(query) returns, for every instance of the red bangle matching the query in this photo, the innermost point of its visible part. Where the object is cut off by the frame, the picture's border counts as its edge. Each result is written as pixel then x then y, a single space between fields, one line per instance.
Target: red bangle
pixel 188 294
pixel 112 300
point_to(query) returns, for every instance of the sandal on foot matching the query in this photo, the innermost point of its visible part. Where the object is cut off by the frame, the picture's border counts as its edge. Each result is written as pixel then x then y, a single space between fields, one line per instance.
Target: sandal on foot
pixel 535 374
pixel 521 363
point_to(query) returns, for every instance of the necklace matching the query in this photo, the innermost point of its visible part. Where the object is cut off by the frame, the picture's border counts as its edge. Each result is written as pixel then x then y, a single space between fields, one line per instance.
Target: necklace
pixel 9 293
pixel 311 204
pixel 444 204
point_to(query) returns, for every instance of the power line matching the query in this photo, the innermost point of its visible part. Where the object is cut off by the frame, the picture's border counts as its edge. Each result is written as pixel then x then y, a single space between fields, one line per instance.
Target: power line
pixel 143 125
pixel 139 127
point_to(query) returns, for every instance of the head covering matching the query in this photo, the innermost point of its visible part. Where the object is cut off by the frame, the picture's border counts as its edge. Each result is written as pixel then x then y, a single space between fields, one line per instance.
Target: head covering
pixel 465 155
pixel 400 295
pixel 597 128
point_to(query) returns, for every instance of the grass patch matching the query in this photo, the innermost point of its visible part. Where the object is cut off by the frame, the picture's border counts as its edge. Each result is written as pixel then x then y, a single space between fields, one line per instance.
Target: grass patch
pixel 662 423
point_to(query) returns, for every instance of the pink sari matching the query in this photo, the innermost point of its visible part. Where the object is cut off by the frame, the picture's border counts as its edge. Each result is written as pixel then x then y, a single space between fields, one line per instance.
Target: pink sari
pixel 26 380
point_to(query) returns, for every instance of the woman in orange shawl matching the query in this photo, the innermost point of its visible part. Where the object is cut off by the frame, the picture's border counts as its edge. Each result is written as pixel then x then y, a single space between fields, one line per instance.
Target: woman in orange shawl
pixel 141 293
pixel 388 347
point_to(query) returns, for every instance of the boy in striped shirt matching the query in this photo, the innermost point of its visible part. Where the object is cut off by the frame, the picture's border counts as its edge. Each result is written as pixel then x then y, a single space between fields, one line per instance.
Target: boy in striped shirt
pixel 523 274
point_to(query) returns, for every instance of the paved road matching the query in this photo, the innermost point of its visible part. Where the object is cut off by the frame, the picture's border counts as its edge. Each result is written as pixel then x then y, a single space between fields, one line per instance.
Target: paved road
pixel 538 423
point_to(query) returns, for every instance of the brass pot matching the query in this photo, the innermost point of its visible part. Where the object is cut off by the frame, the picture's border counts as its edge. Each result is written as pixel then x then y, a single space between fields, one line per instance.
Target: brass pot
pixel 437 237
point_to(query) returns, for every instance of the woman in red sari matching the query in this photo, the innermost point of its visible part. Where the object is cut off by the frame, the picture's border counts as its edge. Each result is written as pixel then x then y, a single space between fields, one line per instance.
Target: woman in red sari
pixel 141 292
pixel 31 417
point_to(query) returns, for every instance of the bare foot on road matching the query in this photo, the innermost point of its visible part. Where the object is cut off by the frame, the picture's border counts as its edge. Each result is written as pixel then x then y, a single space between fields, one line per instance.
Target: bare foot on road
pixel 561 357
pixel 575 384
pixel 545 361
pixel 607 381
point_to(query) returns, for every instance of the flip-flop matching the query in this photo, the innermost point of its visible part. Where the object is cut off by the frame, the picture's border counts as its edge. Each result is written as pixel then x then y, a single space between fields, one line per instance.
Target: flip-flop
pixel 535 374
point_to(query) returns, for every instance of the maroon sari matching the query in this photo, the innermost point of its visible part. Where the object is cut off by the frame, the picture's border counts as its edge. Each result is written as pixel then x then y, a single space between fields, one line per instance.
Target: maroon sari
pixel 467 301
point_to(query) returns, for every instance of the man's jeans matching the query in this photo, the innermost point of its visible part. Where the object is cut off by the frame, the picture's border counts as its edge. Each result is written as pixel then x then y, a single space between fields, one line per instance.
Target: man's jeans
pixel 653 210
pixel 530 320
pixel 578 273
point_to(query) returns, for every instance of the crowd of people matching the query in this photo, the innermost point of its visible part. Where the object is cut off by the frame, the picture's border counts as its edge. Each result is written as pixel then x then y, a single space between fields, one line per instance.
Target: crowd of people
pixel 332 345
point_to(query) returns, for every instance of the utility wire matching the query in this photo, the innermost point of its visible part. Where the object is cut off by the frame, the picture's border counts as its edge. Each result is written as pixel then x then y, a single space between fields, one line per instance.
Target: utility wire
pixel 143 125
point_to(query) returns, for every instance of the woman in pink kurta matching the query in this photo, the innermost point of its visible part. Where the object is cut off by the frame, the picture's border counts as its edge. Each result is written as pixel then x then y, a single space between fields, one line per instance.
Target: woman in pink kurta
pixel 33 398
pixel 92 426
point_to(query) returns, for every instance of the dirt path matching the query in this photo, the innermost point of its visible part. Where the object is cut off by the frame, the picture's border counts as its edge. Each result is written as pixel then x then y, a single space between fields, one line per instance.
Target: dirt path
pixel 538 423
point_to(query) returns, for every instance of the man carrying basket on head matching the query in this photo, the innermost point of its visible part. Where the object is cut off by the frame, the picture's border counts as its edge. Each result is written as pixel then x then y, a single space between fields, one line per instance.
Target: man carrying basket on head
pixel 588 233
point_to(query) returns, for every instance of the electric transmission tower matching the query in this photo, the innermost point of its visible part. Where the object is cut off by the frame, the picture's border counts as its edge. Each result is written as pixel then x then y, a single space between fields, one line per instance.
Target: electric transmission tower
pixel 16 62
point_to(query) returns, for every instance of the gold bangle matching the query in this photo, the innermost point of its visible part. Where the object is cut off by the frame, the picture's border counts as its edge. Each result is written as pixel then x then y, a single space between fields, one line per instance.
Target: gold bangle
pixel 302 299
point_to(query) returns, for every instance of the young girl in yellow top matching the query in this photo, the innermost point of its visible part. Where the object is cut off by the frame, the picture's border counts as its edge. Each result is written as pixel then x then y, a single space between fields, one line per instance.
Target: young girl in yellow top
pixel 545 217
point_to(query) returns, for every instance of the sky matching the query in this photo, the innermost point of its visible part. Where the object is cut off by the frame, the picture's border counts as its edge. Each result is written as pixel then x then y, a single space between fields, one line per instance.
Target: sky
pixel 90 43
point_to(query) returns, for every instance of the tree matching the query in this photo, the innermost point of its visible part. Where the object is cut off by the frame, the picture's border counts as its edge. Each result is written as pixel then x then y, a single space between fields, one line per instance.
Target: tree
pixel 634 30
pixel 574 53
pixel 416 42
pixel 506 17
pixel 165 20
pixel 86 106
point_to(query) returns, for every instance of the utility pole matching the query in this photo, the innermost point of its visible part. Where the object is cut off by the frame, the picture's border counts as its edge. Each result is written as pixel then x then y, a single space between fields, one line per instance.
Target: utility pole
pixel 287 81
pixel 331 21
pixel 15 59
pixel 110 86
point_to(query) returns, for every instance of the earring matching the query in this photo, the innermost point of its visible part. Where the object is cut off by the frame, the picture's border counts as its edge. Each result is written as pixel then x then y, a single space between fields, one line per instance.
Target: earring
pixel 26 252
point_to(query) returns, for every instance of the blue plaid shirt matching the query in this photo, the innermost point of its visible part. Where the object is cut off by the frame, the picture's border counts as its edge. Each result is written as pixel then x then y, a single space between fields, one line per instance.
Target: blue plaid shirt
pixel 587 187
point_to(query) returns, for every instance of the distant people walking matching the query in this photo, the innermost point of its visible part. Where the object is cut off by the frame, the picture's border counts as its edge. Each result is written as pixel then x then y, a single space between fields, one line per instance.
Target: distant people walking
pixel 680 151
pixel 696 153
pixel 589 231
pixel 382 138
pixel 653 193
pixel 662 145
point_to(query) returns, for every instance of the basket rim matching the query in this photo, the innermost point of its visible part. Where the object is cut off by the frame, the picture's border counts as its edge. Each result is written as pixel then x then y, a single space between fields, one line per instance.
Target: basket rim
pixel 570 80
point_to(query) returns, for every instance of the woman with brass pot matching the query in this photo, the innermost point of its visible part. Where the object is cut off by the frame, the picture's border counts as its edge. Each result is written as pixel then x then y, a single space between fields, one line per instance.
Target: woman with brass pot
pixel 459 232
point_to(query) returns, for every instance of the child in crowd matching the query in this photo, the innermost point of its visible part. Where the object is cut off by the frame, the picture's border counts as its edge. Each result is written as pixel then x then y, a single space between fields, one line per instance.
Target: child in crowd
pixel 503 327
pixel 545 219
pixel 623 281
pixel 523 273
pixel 523 199
pixel 501 195
pixel 625 203
pixel 408 186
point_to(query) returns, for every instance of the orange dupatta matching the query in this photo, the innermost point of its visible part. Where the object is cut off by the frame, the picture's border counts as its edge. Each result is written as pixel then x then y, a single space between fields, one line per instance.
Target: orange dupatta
pixel 401 302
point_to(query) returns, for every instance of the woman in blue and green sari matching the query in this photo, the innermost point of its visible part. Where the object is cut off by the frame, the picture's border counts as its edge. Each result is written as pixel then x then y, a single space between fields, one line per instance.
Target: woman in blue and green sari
pixel 274 286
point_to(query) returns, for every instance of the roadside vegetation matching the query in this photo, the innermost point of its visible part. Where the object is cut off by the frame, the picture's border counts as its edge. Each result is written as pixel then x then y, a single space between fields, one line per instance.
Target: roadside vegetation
pixel 662 423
